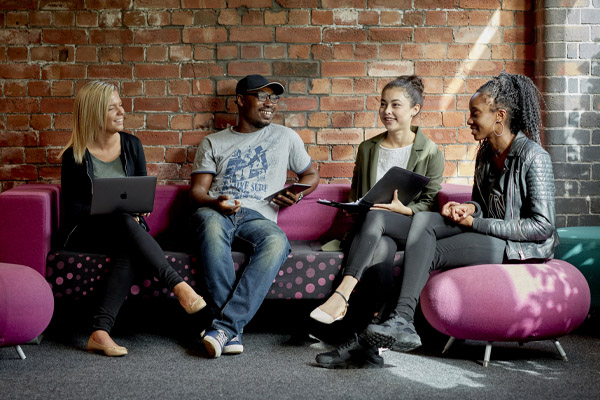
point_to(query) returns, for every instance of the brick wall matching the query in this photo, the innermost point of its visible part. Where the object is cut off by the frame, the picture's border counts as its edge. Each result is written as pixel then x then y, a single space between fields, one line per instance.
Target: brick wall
pixel 570 75
pixel 176 63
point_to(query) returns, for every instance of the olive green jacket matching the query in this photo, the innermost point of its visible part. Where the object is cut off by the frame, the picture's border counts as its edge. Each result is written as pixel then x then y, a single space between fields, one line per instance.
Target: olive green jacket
pixel 425 159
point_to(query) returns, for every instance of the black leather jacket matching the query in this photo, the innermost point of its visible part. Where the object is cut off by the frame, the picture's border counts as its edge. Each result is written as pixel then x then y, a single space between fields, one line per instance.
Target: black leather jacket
pixel 528 185
pixel 76 182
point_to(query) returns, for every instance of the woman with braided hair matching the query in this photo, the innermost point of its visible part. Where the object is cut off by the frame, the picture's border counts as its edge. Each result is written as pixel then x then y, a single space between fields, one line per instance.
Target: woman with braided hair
pixel 511 215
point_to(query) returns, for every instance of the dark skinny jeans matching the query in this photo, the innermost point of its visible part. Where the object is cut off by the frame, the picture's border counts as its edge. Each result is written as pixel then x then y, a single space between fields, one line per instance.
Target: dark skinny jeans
pixel 133 250
pixel 434 242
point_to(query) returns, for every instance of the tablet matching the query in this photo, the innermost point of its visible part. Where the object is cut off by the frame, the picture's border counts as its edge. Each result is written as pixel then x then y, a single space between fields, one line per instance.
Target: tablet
pixel 294 188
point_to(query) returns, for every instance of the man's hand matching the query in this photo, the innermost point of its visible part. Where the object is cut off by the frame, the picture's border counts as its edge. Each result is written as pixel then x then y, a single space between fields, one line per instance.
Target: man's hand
pixel 287 199
pixel 226 206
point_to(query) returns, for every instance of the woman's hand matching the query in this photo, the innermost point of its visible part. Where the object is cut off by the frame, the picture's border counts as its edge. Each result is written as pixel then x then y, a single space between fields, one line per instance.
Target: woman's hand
pixel 459 213
pixel 395 206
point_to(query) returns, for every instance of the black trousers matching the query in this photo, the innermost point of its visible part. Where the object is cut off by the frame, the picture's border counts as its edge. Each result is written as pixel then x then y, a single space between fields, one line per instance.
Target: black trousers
pixel 434 242
pixel 133 250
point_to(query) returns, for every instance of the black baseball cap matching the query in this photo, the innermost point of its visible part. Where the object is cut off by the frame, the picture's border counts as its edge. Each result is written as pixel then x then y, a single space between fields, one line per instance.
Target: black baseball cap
pixel 255 82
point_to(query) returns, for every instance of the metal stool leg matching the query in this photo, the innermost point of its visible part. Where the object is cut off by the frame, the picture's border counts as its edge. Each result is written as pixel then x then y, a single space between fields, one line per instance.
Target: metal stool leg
pixel 448 344
pixel 488 352
pixel 560 350
pixel 20 352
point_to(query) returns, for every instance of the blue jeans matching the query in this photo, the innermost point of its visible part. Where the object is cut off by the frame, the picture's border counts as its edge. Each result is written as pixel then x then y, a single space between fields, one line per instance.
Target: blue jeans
pixel 237 300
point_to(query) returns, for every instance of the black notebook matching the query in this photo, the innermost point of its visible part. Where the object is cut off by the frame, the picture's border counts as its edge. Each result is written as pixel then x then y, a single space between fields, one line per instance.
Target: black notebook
pixel 132 194
pixel 408 184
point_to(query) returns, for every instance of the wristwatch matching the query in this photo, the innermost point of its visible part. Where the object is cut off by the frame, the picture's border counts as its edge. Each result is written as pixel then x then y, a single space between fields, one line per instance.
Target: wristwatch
pixel 300 196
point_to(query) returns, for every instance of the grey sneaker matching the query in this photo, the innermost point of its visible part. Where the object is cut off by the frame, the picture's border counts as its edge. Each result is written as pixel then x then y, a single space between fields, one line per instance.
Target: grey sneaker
pixel 214 340
pixel 396 333
pixel 234 346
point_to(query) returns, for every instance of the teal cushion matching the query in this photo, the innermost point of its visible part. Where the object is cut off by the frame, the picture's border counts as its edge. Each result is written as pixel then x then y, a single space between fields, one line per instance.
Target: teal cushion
pixel 580 246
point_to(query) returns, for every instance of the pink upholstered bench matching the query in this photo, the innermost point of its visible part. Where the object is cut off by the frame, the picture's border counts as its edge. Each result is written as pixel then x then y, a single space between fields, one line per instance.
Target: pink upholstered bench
pixel 507 302
pixel 26 305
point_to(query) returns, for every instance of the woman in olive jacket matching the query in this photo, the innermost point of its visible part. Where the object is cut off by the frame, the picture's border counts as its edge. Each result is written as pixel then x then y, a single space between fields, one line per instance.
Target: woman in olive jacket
pixel 384 228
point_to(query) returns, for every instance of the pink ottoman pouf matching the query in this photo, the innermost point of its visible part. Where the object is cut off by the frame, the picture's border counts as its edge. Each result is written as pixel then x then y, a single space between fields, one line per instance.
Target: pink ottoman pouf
pixel 26 305
pixel 507 302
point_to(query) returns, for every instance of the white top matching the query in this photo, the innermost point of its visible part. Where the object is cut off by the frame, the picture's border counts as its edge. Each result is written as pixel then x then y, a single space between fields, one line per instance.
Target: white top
pixel 389 158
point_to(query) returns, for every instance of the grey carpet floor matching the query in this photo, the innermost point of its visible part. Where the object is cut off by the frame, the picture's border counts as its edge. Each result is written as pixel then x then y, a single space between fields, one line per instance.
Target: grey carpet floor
pixel 172 364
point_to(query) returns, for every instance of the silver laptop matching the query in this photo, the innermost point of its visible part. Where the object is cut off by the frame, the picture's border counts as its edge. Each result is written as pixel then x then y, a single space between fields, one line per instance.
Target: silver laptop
pixel 132 194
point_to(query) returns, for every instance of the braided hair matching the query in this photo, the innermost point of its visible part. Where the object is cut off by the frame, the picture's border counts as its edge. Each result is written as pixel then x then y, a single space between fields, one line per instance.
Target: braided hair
pixel 412 86
pixel 518 95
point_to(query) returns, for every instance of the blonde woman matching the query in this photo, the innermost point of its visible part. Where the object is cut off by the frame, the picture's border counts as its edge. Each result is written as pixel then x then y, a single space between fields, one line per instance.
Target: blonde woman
pixel 99 148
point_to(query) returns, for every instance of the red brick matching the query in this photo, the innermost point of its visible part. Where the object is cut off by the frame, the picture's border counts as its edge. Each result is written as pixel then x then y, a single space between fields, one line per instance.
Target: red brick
pixel 15 89
pixel 318 153
pixel 202 104
pixel 18 122
pixel 18 139
pixel 341 120
pixel 297 3
pixel 18 172
pixel 199 70
pixel 56 105
pixel 276 51
pixel 111 36
pixel 336 170
pixel 365 119
pixel 343 68
pixel 155 88
pixel 437 68
pixel 458 18
pixel 155 138
pixel 157 121
pixel 19 71
pixel 156 104
pixel 340 136
pixel 518 35
pixel 298 17
pixel 436 18
pixel 39 88
pixel 35 155
pixel 489 4
pixel 368 17
pixel 109 54
pixel 192 139
pixel 343 52
pixel 203 3
pixel 344 35
pixel 453 119
pixel 251 34
pixel 434 35
pixel 341 86
pixel 433 85
pixel 388 18
pixel 252 17
pixel 156 36
pixel 251 51
pixel 16 54
pixel 131 88
pixel 204 35
pixel 298 104
pixel 297 87
pixel 411 51
pixel 298 35
pixel 202 86
pixel 391 34
pixel 65 36
pixel 41 54
pixel 318 120
pixel 86 54
pixel 19 105
pixel 152 71
pixel 159 18
pixel 472 35
pixel 54 138
pixel 40 18
pixel 181 121
pixel 134 18
pixel 322 17
pixel 342 153
pixel 478 68
pixel 390 68
pixel 20 37
pixel 203 121
pixel 110 71
pixel 63 122
pixel 62 88
pixel 276 17
pixel 40 121
pixel 246 68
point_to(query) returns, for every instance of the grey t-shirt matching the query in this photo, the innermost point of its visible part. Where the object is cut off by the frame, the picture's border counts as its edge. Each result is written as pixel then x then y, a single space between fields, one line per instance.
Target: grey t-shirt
pixel 250 166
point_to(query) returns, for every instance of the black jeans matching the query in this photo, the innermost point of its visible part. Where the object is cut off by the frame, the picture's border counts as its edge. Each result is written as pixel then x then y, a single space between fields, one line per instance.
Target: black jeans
pixel 133 250
pixel 434 242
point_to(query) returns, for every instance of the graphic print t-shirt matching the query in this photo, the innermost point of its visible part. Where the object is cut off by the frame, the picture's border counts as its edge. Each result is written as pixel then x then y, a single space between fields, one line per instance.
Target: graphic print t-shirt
pixel 250 166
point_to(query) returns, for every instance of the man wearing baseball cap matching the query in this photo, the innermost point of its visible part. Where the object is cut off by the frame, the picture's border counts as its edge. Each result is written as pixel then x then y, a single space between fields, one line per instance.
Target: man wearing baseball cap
pixel 233 172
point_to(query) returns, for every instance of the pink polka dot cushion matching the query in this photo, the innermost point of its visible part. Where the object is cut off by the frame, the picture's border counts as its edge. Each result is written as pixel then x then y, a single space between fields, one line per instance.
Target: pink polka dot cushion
pixel 507 302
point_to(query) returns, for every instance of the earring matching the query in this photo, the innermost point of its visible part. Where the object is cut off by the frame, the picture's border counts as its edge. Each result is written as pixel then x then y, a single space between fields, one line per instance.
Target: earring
pixel 494 129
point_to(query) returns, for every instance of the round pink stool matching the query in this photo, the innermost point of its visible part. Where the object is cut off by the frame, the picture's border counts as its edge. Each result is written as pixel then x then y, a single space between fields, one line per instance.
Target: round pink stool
pixel 507 302
pixel 26 305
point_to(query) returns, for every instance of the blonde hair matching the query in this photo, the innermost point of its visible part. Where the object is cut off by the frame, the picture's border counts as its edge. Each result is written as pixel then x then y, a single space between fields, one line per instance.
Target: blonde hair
pixel 89 116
